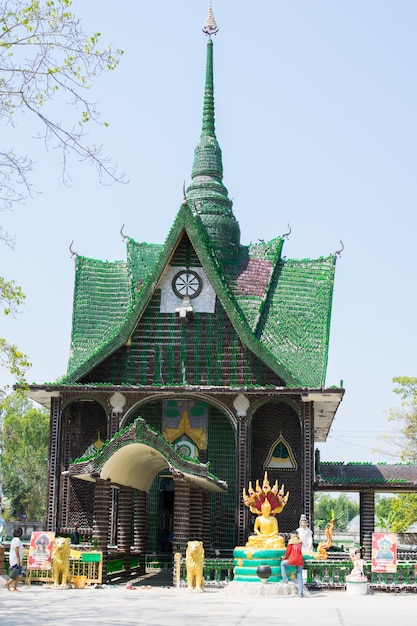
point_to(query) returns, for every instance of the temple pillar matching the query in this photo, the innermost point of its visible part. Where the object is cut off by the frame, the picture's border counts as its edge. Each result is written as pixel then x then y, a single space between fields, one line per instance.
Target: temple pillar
pixel 117 403
pixel 54 473
pixel 181 513
pixel 241 405
pixel 196 514
pixel 206 516
pixel 112 425
pixel 124 525
pixel 101 519
pixel 139 527
pixel 63 521
pixel 307 438
pixel 367 521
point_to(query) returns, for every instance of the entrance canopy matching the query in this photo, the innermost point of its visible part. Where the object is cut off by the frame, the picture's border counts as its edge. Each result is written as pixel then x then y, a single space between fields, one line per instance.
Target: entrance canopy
pixel 135 455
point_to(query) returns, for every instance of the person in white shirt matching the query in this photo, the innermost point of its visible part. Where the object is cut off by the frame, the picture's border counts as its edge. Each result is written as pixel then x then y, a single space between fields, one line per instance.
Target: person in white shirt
pixel 15 560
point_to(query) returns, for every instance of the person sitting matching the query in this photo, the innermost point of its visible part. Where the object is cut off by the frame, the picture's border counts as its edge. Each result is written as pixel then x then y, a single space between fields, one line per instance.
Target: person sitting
pixel 266 530
pixel 294 556
pixel 356 575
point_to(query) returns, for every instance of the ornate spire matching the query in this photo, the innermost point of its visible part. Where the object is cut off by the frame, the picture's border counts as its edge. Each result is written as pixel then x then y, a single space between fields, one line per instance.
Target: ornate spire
pixel 206 194
pixel 208 106
pixel 210 26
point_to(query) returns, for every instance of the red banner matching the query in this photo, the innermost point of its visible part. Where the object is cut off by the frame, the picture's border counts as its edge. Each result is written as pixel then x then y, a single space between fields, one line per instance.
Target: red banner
pixel 40 550
pixel 384 552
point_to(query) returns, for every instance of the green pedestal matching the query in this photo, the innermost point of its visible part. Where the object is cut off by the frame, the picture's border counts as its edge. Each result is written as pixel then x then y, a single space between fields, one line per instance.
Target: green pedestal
pixel 247 561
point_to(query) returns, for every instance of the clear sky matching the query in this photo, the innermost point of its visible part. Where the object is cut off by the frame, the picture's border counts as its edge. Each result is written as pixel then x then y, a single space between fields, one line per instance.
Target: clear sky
pixel 316 116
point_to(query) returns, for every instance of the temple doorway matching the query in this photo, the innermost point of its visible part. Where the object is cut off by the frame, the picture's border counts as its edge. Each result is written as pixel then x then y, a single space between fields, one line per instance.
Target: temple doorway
pixel 166 514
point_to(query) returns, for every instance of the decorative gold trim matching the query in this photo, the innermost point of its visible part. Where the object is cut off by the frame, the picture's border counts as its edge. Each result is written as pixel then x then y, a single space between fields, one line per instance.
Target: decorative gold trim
pixel 282 463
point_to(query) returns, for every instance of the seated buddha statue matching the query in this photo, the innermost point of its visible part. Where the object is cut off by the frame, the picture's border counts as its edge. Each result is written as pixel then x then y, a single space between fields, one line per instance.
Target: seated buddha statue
pixel 266 530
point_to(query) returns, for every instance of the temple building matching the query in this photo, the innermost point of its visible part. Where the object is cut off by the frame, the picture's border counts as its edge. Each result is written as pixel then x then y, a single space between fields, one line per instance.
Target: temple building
pixel 196 365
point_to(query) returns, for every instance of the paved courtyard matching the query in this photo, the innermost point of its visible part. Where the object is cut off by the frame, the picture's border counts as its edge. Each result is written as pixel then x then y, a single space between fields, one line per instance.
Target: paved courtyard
pixel 166 606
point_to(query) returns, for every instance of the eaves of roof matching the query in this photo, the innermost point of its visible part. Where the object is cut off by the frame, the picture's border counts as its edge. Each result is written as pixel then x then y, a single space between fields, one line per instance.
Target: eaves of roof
pixel 45 392
pixel 359 476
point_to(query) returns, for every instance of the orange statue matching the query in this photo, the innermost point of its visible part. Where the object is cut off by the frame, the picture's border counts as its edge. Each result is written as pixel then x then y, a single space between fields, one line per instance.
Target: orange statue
pixel 322 548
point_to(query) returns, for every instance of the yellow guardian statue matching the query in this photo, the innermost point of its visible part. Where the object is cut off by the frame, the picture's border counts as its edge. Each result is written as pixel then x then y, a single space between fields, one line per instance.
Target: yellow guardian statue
pixel 266 503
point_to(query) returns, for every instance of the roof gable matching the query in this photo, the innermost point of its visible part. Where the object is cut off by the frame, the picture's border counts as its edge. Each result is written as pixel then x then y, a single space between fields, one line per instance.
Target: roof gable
pixel 279 309
pixel 123 326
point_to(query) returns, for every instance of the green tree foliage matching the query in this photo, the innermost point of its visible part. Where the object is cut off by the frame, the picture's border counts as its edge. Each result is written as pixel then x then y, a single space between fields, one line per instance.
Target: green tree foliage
pixel 401 511
pixel 23 464
pixel 403 445
pixel 385 516
pixel 383 513
pixel 11 297
pixel 396 514
pixel 343 509
pixel 404 511
pixel 47 63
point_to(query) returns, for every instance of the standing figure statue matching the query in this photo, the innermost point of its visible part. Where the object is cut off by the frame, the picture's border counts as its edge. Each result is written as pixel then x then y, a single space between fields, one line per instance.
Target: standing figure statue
pixel 305 534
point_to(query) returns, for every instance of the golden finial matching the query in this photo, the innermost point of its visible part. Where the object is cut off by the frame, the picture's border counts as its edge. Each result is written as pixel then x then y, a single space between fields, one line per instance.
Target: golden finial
pixel 210 27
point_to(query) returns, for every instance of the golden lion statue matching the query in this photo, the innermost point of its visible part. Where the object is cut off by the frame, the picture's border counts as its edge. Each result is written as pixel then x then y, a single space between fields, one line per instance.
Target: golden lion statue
pixel 194 560
pixel 60 562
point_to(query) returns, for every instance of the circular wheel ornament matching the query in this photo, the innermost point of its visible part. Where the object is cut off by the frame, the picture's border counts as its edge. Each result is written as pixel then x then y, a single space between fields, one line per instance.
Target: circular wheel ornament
pixel 187 283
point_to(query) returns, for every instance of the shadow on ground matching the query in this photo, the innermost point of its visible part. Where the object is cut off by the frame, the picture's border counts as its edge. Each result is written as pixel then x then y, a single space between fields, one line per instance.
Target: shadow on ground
pixel 154 579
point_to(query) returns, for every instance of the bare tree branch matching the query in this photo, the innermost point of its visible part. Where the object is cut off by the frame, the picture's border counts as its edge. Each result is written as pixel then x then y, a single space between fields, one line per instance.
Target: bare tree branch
pixel 47 63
